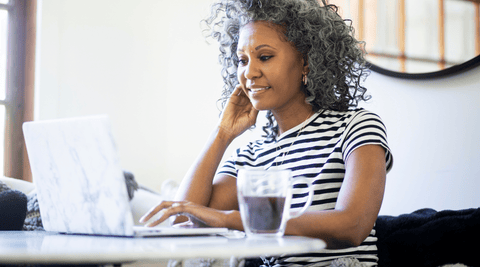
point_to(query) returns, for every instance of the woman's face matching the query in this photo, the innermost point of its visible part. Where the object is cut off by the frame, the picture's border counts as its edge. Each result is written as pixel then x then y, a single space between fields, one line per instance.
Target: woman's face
pixel 270 68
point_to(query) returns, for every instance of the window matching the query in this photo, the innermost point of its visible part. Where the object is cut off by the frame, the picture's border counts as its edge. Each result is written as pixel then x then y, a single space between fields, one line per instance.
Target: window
pixel 415 36
pixel 3 72
pixel 17 47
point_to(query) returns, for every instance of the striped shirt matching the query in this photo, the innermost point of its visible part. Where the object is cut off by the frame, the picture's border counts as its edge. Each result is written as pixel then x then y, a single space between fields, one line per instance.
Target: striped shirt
pixel 317 150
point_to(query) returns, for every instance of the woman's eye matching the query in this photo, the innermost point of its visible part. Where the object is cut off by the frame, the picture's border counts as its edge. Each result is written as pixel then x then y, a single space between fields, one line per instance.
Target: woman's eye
pixel 265 58
pixel 242 61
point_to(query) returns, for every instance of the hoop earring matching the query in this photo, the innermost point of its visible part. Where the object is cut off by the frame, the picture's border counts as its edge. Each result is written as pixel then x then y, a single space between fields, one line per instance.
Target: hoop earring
pixel 304 79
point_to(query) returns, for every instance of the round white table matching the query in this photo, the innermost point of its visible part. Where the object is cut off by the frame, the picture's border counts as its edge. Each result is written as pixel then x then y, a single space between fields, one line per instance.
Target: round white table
pixel 39 247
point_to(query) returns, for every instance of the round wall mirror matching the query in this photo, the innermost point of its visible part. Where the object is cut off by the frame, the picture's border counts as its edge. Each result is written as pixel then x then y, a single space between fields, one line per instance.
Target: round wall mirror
pixel 416 38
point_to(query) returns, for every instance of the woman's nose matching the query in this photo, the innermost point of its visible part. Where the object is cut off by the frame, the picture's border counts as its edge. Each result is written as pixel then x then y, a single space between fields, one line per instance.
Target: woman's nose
pixel 252 71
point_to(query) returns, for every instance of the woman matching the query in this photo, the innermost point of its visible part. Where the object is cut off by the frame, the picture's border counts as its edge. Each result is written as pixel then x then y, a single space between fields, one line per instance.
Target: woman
pixel 298 61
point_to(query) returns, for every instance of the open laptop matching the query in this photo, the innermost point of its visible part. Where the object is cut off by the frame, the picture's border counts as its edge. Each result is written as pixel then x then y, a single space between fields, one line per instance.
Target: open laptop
pixel 79 180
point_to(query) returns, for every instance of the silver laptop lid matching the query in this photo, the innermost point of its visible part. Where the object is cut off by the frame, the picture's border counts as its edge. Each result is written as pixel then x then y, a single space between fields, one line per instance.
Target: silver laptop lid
pixel 77 173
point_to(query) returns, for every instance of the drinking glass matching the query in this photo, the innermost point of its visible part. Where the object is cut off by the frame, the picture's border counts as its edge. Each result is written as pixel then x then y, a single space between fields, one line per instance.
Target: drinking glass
pixel 264 198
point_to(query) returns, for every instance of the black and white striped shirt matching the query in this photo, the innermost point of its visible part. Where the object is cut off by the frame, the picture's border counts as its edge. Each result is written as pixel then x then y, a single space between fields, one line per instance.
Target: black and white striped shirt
pixel 318 150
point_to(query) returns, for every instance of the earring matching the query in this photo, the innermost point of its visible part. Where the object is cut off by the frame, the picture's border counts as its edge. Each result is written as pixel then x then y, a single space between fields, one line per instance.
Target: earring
pixel 304 79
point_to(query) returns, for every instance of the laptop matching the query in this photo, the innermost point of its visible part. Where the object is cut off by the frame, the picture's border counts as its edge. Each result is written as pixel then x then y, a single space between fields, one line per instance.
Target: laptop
pixel 80 183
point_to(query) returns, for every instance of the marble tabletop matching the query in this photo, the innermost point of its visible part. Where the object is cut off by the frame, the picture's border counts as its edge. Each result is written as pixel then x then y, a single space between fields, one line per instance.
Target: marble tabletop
pixel 23 247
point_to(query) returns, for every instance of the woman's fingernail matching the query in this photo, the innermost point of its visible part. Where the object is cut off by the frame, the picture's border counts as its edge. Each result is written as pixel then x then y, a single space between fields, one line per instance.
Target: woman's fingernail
pixel 155 217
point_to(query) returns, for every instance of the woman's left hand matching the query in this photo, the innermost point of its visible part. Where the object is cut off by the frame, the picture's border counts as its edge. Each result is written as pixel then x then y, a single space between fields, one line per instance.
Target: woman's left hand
pixel 200 216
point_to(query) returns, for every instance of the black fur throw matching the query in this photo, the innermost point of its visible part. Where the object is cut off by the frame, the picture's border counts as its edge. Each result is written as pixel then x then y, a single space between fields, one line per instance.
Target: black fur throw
pixel 429 238
pixel 13 210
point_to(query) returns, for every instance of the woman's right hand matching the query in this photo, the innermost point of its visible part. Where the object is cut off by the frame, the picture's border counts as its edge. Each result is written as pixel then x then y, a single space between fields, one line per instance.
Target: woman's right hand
pixel 239 113
pixel 199 216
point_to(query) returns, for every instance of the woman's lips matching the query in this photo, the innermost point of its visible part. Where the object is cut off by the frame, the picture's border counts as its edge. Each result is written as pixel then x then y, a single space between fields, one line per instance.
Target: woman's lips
pixel 256 90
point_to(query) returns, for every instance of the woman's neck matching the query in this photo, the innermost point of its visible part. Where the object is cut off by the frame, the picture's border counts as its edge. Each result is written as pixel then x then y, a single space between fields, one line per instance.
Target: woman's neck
pixel 289 119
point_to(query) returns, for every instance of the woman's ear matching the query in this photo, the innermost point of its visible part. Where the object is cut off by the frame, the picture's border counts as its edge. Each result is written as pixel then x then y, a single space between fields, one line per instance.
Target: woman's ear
pixel 305 64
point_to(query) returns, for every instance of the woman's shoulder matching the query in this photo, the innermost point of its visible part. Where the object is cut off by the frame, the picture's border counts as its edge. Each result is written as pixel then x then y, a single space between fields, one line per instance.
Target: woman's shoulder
pixel 350 112
pixel 335 116
pixel 349 115
pixel 255 146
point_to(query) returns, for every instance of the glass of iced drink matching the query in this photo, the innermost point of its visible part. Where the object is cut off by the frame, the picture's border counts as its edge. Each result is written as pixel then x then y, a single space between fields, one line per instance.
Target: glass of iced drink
pixel 265 197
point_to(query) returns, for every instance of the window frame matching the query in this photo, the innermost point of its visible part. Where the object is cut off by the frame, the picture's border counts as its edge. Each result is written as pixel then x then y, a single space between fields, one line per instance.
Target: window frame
pixel 19 84
pixel 402 57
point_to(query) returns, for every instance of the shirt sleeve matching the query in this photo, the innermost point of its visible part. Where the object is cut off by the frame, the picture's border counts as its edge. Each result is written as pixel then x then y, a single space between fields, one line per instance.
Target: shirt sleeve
pixel 229 166
pixel 366 128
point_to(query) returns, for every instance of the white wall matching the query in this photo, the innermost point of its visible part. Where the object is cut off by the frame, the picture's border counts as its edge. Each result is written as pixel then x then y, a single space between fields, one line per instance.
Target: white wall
pixel 434 134
pixel 143 62
pixel 146 64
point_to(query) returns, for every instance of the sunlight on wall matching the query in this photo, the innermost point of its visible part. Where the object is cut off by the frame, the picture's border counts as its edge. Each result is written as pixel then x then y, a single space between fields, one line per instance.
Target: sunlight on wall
pixel 147 65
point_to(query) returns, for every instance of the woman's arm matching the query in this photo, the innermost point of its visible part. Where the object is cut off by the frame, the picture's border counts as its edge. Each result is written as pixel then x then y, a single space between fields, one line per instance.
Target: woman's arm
pixel 358 202
pixel 197 186
pixel 208 199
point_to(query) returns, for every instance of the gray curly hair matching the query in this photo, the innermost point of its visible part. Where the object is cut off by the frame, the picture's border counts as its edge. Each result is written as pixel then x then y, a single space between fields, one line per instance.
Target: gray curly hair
pixel 337 66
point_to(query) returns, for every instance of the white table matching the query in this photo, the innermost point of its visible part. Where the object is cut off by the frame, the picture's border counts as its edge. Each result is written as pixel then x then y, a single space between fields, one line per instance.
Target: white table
pixel 38 247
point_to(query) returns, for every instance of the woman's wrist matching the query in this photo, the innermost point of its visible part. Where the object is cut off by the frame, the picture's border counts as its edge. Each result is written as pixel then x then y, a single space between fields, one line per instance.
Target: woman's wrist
pixel 225 134
pixel 233 220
